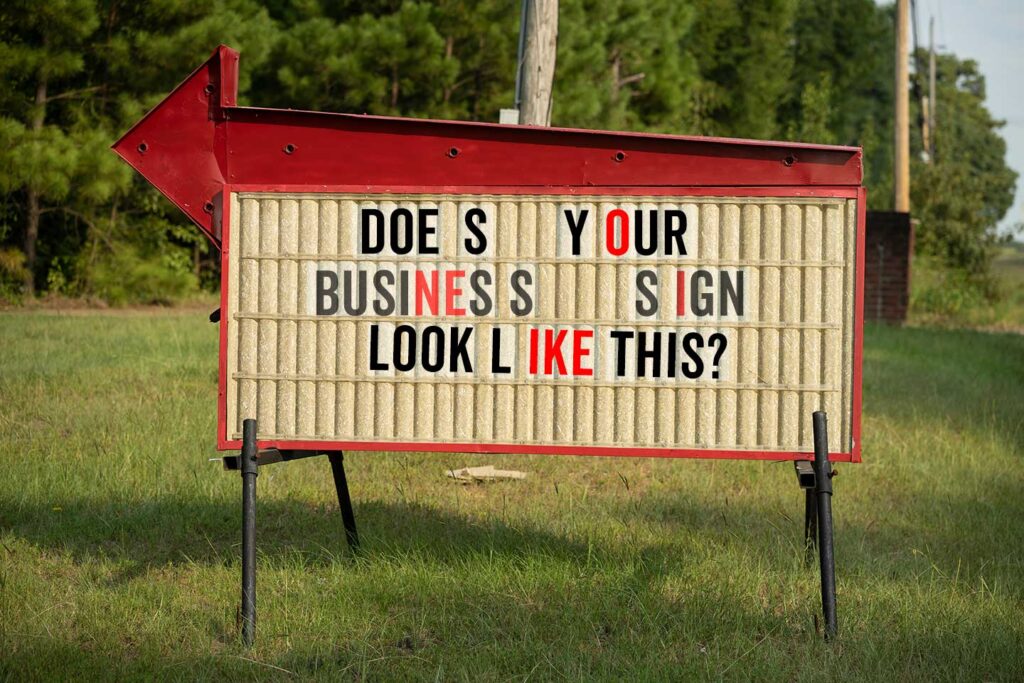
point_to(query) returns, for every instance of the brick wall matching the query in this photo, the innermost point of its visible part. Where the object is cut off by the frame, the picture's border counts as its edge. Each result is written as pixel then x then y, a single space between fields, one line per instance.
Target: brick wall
pixel 889 245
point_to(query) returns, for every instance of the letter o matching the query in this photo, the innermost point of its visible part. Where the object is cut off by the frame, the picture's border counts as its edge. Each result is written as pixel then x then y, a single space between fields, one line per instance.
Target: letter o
pixel 609 232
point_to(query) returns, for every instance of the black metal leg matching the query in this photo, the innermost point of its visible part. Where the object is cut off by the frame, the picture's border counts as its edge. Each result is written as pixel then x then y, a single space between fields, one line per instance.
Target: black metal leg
pixel 823 489
pixel 810 524
pixel 348 517
pixel 249 473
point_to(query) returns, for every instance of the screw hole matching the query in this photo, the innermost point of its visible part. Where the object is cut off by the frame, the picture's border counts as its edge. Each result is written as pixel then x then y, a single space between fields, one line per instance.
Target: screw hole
pixel 789 160
pixel 289 148
pixel 143 148
pixel 209 89
pixel 619 156
pixel 453 152
pixel 208 207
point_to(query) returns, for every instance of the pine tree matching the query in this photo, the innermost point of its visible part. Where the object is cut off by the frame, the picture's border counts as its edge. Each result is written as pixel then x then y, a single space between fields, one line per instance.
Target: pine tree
pixel 742 52
pixel 392 63
pixel 41 50
pixel 841 84
pixel 623 65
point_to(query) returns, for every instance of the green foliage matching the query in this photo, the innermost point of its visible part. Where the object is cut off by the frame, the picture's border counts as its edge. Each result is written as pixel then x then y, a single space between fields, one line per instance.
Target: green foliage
pixel 392 64
pixel 12 273
pixel 962 194
pixel 126 276
pixel 842 83
pixel 943 294
pixel 619 68
pixel 815 113
pixel 74 74
pixel 46 161
pixel 953 297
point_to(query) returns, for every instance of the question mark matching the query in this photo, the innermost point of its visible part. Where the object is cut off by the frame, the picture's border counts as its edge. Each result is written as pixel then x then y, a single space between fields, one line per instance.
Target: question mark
pixel 722 342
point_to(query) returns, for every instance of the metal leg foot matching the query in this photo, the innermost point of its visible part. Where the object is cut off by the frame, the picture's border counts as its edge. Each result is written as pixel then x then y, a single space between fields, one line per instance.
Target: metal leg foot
pixel 348 517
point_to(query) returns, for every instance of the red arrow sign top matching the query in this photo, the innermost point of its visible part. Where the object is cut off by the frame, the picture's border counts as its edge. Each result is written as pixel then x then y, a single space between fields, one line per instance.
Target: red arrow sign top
pixel 198 139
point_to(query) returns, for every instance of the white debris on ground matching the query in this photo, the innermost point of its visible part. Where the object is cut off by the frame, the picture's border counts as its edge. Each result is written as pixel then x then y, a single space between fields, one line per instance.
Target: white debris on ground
pixel 486 473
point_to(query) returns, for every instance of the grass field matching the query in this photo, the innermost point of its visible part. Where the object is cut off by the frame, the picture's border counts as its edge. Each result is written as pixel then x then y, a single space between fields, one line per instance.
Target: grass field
pixel 119 542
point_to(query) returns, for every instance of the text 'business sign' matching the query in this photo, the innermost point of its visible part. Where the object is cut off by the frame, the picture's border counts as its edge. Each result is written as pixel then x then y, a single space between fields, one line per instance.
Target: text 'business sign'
pixel 523 322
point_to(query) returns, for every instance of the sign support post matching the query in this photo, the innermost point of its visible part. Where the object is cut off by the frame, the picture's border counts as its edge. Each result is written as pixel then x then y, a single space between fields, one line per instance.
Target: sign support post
pixel 348 517
pixel 250 470
pixel 249 463
pixel 815 478
pixel 823 488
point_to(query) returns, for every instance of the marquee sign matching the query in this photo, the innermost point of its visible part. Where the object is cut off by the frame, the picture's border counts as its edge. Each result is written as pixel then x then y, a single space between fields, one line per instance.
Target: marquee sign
pixel 392 284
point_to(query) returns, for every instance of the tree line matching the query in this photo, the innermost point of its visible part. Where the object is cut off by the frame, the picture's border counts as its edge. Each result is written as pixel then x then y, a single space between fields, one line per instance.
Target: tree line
pixel 75 74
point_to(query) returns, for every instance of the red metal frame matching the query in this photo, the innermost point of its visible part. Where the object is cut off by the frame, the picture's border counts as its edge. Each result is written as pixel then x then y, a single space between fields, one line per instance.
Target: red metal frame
pixel 197 146
pixel 858 325
pixel 198 139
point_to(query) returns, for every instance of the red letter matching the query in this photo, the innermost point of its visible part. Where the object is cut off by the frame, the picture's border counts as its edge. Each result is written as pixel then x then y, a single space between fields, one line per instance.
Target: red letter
pixel 451 291
pixel 680 293
pixel 533 350
pixel 579 353
pixel 553 351
pixel 424 292
pixel 609 232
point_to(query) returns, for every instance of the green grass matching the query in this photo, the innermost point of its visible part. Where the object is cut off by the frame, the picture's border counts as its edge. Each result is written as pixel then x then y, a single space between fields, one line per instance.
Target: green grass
pixel 119 542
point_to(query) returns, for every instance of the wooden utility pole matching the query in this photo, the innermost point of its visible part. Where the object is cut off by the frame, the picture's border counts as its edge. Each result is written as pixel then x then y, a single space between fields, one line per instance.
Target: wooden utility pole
pixel 932 95
pixel 540 47
pixel 901 153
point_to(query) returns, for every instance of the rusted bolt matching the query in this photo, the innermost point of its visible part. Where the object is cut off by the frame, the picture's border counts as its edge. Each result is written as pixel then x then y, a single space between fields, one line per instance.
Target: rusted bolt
pixel 209 89
pixel 789 160
pixel 143 148
pixel 453 152
pixel 208 207
pixel 289 148
pixel 619 156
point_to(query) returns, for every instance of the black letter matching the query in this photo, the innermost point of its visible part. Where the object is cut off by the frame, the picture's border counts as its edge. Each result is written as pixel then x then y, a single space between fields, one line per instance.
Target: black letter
pixel 691 342
pixel 496 367
pixel 360 306
pixel 403 292
pixel 482 304
pixel 524 308
pixel 673 216
pixel 326 288
pixel 701 302
pixel 395 232
pixel 643 354
pixel 474 218
pixel 427 230
pixel 374 346
pixel 652 232
pixel 620 337
pixel 410 333
pixel 735 293
pixel 576 228
pixel 644 278
pixel 433 338
pixel 378 284
pixel 459 349
pixel 367 247
pixel 671 354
